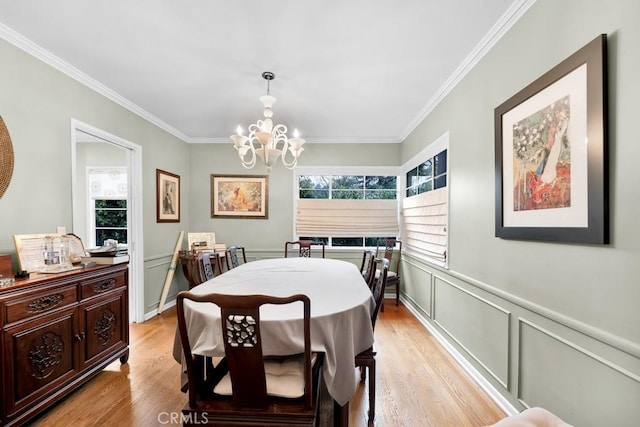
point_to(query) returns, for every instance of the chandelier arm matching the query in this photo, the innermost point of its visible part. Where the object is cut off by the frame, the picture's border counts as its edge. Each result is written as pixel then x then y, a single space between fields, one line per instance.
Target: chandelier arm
pixel 248 164
pixel 292 164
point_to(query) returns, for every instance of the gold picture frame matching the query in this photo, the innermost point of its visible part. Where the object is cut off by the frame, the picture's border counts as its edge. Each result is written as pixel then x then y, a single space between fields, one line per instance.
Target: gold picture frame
pixel 240 196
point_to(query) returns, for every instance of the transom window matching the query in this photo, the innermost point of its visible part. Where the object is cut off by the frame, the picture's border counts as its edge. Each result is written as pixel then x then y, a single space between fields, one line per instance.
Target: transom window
pixel 347 187
pixel 428 175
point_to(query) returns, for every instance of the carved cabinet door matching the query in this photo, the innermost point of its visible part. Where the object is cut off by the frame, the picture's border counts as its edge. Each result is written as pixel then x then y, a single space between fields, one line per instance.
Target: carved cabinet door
pixel 106 324
pixel 42 355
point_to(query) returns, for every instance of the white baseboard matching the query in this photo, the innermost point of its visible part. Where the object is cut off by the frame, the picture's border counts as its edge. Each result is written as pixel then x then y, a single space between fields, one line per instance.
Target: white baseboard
pixel 153 313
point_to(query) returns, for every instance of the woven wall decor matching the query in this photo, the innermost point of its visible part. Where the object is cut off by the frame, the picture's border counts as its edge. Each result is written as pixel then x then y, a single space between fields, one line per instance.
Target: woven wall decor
pixel 6 158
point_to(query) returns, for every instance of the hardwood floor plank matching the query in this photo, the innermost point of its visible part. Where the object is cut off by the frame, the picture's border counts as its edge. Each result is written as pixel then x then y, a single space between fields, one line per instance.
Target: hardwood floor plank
pixel 418 383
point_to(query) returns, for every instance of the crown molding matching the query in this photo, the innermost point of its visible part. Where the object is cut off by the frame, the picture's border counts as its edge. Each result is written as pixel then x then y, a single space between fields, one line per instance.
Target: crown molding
pixel 506 21
pixel 64 67
pixel 351 140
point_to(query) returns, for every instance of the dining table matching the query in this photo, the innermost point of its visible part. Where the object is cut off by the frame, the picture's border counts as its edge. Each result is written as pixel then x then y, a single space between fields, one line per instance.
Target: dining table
pixel 341 307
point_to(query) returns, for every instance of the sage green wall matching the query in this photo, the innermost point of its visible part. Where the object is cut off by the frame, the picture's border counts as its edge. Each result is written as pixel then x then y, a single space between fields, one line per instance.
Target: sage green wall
pixel 267 236
pixel 37 105
pixel 548 324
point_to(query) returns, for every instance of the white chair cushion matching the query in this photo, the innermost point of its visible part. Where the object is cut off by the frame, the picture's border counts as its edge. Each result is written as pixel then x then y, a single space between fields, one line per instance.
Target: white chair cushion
pixel 389 274
pixel 285 378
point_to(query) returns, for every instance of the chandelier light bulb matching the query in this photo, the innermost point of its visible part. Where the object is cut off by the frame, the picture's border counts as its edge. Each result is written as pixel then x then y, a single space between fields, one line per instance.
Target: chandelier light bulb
pixel 239 130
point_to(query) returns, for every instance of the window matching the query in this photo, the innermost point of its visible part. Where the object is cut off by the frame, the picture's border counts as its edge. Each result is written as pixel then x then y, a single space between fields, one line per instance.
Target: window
pixel 110 220
pixel 425 205
pixel 428 175
pixel 107 205
pixel 347 210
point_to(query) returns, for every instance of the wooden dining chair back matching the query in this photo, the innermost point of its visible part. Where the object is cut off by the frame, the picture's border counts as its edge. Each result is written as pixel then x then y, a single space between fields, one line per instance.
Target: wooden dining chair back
pixel 246 388
pixel 391 249
pixel 209 266
pixel 378 288
pixel 305 248
pixel 232 256
pixel 366 360
pixel 368 267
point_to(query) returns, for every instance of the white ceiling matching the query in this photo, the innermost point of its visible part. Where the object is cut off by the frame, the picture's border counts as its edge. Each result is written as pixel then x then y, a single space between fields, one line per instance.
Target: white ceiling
pixel 346 70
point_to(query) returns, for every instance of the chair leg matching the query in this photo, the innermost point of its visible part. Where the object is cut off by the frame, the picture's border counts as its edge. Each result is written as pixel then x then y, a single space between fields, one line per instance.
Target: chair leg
pixel 363 374
pixel 398 293
pixel 372 390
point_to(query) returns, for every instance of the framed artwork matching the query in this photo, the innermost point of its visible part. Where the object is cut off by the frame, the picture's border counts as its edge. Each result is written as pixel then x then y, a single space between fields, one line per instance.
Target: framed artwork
pixel 167 196
pixel 551 154
pixel 240 196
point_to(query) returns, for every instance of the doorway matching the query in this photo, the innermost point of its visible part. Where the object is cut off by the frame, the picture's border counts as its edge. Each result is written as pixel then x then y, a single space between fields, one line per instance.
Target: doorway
pixel 94 149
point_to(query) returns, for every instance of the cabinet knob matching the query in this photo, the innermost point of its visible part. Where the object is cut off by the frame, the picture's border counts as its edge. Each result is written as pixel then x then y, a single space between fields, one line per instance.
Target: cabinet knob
pixel 80 336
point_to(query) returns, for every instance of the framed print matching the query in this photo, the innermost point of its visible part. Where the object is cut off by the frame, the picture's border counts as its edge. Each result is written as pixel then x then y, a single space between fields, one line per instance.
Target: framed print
pixel 240 196
pixel 167 197
pixel 551 154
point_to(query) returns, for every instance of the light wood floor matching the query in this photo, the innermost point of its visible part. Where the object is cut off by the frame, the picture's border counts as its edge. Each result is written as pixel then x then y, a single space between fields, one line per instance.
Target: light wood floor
pixel 418 383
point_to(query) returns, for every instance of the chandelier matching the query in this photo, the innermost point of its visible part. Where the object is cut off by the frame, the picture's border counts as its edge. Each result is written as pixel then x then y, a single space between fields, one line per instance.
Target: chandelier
pixel 265 140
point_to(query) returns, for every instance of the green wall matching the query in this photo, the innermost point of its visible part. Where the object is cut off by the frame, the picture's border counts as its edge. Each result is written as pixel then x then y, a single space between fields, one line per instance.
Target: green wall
pixel 37 105
pixel 270 234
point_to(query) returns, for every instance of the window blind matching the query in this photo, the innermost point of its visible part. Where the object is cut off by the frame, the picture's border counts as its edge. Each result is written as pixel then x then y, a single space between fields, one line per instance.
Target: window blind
pixel 425 223
pixel 347 217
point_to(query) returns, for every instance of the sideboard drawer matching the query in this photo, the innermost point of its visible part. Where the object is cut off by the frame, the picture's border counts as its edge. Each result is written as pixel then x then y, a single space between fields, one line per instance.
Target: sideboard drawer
pixel 101 285
pixel 39 303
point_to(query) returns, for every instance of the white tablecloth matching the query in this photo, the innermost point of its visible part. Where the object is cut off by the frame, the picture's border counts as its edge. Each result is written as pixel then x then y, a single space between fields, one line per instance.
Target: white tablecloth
pixel 341 305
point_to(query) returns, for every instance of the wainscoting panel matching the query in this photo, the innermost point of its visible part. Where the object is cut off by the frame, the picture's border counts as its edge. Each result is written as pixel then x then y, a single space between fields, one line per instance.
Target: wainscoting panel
pixel 480 327
pixel 416 281
pixel 155 274
pixel 526 355
pixel 581 386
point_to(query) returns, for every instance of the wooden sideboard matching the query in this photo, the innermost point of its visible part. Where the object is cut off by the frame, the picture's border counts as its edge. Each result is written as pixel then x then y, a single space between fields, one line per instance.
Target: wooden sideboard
pixel 58 331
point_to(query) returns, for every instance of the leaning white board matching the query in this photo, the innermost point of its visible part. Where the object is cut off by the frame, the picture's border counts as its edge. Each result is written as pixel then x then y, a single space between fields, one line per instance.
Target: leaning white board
pixel 170 272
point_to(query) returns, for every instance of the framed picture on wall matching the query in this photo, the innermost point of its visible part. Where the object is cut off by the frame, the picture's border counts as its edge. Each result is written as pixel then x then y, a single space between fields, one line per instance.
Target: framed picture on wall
pixel 167 196
pixel 240 196
pixel 551 154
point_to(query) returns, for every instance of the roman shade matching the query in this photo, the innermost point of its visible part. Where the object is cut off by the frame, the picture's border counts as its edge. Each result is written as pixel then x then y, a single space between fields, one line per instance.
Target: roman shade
pixel 425 223
pixel 347 217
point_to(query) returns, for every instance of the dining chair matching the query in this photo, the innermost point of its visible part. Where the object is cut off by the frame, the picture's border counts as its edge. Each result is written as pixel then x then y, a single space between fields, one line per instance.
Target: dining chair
pixel 209 265
pixel 232 256
pixel 304 248
pixel 368 266
pixel 366 360
pixel 247 388
pixel 391 249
